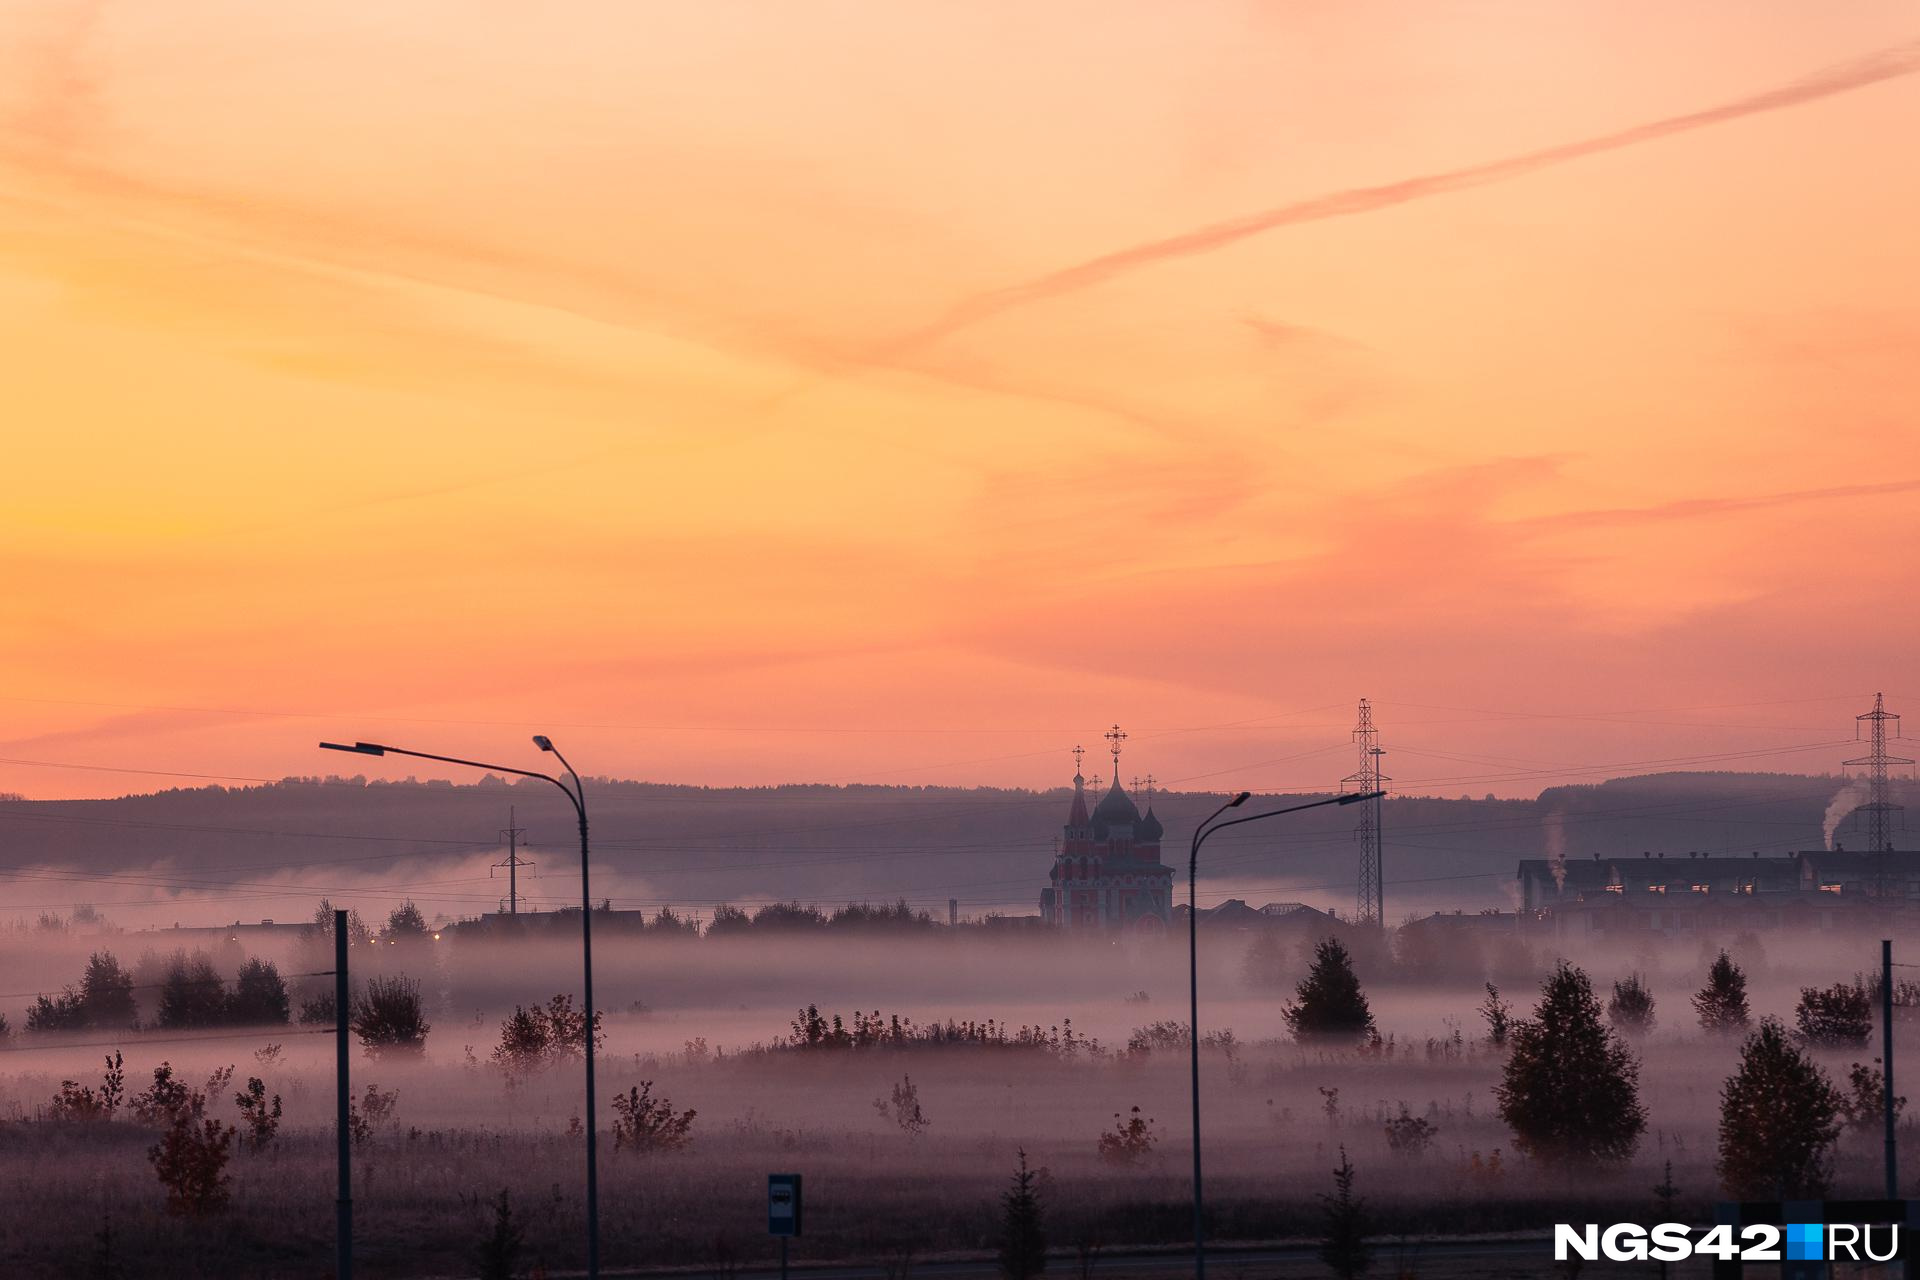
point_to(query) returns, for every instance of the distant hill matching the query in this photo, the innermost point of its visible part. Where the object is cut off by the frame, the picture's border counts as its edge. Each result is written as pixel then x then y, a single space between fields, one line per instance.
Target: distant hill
pixel 988 848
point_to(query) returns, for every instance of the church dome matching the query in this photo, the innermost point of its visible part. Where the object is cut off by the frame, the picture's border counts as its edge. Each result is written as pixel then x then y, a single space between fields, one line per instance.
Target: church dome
pixel 1115 809
pixel 1149 831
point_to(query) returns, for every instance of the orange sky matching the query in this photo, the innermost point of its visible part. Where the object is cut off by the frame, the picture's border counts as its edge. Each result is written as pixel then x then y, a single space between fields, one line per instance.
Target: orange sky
pixel 648 373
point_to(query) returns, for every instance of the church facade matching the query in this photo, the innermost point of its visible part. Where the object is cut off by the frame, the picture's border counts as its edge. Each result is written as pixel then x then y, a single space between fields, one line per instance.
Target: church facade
pixel 1107 875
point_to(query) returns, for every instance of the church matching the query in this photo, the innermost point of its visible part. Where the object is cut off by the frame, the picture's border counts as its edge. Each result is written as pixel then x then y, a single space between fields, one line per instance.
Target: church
pixel 1107 875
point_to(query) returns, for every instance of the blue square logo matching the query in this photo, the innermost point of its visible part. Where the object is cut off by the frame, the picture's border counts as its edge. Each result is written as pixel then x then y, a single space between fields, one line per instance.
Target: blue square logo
pixel 1805 1241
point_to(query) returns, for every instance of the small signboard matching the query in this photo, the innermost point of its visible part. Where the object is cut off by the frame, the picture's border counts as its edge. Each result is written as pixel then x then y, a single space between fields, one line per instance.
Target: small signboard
pixel 783 1204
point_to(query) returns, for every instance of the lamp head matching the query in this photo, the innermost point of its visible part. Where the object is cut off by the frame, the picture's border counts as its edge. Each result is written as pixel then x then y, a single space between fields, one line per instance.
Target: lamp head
pixel 1240 799
pixel 358 748
pixel 543 742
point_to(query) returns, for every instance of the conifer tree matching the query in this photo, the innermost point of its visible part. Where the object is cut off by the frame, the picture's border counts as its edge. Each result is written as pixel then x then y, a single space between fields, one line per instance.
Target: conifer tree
pixel 1722 1003
pixel 1328 1004
pixel 1631 1008
pixel 1344 1246
pixel 1023 1237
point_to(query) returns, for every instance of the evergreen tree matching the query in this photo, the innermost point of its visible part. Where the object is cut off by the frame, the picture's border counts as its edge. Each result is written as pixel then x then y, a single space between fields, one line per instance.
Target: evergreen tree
pixel 1570 1091
pixel 1344 1246
pixel 500 1250
pixel 1631 1008
pixel 106 989
pixel 1328 1004
pixel 259 995
pixel 1023 1237
pixel 1779 1117
pixel 191 994
pixel 1722 1003
pixel 406 927
pixel 1499 1017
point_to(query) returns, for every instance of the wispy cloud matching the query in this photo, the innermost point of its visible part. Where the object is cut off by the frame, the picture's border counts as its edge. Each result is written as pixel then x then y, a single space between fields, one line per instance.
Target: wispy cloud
pixel 1887 64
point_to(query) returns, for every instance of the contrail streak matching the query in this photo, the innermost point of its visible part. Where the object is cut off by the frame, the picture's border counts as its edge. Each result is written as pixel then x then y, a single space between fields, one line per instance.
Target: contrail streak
pixel 1887 64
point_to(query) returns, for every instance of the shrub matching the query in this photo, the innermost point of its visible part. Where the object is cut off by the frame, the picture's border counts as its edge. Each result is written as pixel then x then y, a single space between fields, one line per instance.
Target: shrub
pixel 1841 1016
pixel 904 1108
pixel 1328 1004
pixel 1570 1090
pixel 370 1112
pixel 1343 1246
pixel 191 1161
pixel 646 1123
pixel 1130 1141
pixel 166 1098
pixel 64 1012
pixel 1864 1104
pixel 389 1020
pixel 261 1118
pixel 1631 1008
pixel 77 1105
pixel 1408 1134
pixel 1779 1116
pixel 1722 1003
pixel 317 1009
pixel 534 1038
pixel 259 995
pixel 1498 1015
pixel 1023 1236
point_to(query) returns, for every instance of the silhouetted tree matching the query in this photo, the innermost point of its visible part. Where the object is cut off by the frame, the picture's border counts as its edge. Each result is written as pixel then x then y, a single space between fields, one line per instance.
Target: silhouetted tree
pixel 1570 1091
pixel 1779 1116
pixel 1631 1008
pixel 406 927
pixel 1499 1017
pixel 1328 1004
pixel 1840 1016
pixel 192 994
pixel 64 1012
pixel 728 919
pixel 1023 1236
pixel 106 989
pixel 1343 1244
pixel 389 1019
pixel 1722 1003
pixel 259 995
pixel 500 1250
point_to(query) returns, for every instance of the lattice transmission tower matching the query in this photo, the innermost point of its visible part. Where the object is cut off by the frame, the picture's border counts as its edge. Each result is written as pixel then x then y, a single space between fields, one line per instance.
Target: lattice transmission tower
pixel 1372 904
pixel 1881 813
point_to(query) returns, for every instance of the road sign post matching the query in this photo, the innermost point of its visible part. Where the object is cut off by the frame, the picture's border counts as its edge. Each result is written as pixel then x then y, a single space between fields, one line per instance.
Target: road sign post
pixel 783 1211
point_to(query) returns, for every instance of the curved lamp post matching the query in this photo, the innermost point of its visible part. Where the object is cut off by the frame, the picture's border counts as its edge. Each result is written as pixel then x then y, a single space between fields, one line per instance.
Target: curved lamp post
pixel 1200 834
pixel 576 796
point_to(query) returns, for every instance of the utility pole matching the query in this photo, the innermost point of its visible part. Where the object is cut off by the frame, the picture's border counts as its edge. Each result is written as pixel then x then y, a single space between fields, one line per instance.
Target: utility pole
pixel 511 834
pixel 1879 808
pixel 1886 1064
pixel 343 1203
pixel 1372 905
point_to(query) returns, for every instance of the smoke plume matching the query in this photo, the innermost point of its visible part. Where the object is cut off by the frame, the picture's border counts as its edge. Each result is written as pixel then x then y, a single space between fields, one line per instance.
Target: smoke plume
pixel 1850 797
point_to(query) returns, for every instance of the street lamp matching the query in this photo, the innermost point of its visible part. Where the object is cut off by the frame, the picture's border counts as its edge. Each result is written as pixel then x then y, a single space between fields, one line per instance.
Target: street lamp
pixel 576 796
pixel 1200 834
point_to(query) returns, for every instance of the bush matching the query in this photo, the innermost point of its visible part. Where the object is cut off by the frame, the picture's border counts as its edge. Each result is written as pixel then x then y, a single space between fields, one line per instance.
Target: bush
pixel 1631 1008
pixel 65 1012
pixel 1779 1116
pixel 531 1039
pixel 191 1161
pixel 1722 1003
pixel 646 1123
pixel 1864 1104
pixel 369 1113
pixel 1839 1017
pixel 904 1108
pixel 1130 1141
pixel 1498 1015
pixel 317 1009
pixel 1408 1134
pixel 1328 1004
pixel 77 1105
pixel 389 1020
pixel 261 1118
pixel 1570 1090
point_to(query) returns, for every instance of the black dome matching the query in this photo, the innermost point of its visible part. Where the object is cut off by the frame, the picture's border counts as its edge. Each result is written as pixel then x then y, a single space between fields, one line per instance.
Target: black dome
pixel 1114 809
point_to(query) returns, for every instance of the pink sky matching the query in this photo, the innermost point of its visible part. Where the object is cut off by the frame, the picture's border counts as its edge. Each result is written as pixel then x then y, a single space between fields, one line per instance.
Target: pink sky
pixel 675 378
